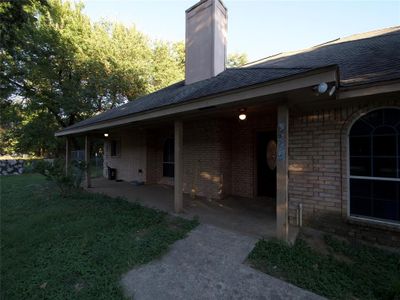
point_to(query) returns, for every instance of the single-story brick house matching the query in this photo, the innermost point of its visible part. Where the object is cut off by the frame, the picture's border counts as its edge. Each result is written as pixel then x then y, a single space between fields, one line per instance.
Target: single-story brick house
pixel 316 130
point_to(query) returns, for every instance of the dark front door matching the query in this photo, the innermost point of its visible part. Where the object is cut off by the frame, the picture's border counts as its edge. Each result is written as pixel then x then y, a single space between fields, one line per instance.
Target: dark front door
pixel 266 164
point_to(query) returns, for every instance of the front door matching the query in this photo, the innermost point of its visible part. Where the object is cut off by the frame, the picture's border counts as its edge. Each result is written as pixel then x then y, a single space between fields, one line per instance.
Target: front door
pixel 266 164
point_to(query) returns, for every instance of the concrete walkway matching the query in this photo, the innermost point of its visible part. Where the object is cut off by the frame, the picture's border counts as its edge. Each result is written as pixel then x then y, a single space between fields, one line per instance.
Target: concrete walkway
pixel 208 264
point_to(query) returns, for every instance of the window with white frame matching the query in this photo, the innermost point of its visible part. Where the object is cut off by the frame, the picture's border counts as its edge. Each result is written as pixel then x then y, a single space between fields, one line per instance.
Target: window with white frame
pixel 374 150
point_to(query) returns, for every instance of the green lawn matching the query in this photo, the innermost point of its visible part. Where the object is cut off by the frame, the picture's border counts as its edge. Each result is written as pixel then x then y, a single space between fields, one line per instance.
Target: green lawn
pixel 344 271
pixel 78 246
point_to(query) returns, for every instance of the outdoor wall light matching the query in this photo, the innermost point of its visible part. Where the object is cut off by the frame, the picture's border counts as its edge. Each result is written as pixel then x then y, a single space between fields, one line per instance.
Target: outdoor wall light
pixel 106 134
pixel 242 115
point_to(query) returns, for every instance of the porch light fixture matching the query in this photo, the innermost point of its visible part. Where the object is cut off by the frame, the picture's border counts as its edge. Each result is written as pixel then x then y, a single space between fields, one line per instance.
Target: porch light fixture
pixel 242 115
pixel 106 135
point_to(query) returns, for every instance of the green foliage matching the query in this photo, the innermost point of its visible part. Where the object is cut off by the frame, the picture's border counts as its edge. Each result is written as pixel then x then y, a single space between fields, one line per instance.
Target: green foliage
pixel 55 171
pixel 76 247
pixel 236 60
pixel 62 68
pixel 348 272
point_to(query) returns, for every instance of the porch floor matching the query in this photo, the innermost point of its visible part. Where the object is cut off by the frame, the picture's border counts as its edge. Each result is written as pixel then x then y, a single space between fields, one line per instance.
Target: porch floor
pixel 254 217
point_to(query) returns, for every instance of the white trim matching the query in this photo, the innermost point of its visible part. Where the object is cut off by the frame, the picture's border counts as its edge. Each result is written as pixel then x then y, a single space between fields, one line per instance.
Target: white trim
pixel 373 221
pixel 369 90
pixel 375 178
pixel 349 216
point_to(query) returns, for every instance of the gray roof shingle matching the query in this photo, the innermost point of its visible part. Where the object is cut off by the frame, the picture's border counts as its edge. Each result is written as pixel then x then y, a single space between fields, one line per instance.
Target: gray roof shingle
pixel 362 58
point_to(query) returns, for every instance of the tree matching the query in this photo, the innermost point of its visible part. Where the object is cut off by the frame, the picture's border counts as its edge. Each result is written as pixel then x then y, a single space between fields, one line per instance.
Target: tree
pixel 236 60
pixel 64 68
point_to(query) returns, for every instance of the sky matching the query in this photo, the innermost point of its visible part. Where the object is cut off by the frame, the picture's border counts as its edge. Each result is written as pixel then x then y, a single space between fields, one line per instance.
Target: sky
pixel 258 28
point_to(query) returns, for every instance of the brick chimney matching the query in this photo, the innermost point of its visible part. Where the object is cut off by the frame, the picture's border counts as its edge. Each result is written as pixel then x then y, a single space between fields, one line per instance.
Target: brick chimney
pixel 206 28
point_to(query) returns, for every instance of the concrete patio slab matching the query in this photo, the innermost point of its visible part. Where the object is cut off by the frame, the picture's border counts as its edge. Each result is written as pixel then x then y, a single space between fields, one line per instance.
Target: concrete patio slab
pixel 254 217
pixel 208 264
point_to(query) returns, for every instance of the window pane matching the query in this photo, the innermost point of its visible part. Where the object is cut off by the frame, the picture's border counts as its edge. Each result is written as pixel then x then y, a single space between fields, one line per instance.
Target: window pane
pixel 383 202
pixel 361 188
pixel 384 145
pixel 360 195
pixel 168 154
pixel 384 167
pixel 392 116
pixel 386 210
pixel 360 166
pixel 374 118
pixel 360 128
pixel 385 130
pixel 168 169
pixel 360 146
pixel 113 148
pixel 386 200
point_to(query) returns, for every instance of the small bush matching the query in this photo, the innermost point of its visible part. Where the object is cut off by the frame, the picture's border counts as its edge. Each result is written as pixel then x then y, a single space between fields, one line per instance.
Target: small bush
pixel 55 172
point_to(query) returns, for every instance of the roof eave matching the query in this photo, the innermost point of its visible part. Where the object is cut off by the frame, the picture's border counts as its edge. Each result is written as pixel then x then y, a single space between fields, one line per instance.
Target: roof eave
pixel 293 82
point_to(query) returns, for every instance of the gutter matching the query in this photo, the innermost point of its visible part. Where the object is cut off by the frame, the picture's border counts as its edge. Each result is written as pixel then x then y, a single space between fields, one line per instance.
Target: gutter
pixel 379 87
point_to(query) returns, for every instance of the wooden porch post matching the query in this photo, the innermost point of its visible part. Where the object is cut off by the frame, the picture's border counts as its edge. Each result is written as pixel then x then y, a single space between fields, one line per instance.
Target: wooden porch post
pixel 67 155
pixel 87 161
pixel 282 224
pixel 178 171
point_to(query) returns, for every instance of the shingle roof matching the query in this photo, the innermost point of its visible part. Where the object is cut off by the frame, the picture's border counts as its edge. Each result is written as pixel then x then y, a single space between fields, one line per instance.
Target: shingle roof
pixel 362 58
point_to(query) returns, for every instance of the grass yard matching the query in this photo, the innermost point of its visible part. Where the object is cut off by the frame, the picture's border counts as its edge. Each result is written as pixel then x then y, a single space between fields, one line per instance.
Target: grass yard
pixel 341 271
pixel 78 246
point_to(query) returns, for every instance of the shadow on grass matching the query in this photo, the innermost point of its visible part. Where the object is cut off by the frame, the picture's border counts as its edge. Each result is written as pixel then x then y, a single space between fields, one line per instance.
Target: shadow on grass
pixel 77 246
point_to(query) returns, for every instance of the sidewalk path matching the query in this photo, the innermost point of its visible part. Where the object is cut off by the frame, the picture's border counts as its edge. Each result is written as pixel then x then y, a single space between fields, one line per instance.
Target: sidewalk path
pixel 208 264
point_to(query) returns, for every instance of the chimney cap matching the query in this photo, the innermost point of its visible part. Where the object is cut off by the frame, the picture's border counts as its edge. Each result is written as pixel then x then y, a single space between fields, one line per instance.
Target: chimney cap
pixel 203 1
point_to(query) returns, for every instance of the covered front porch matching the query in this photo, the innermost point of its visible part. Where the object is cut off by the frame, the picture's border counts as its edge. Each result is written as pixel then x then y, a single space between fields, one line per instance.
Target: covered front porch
pixel 202 158
pixel 247 216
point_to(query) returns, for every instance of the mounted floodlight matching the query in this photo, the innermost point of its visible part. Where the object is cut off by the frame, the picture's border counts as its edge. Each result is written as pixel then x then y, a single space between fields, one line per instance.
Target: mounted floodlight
pixel 322 87
pixel 332 91
pixel 106 135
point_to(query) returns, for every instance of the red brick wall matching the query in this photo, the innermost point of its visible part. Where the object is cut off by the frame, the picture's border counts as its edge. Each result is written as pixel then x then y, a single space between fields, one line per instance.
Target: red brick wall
pixel 218 154
pixel 244 170
pixel 318 157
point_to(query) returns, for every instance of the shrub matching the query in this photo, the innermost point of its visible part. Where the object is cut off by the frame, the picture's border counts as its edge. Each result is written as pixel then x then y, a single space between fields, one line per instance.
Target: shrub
pixel 55 172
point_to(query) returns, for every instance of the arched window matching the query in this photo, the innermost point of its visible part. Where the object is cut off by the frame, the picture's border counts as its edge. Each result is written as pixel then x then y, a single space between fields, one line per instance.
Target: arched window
pixel 168 158
pixel 374 142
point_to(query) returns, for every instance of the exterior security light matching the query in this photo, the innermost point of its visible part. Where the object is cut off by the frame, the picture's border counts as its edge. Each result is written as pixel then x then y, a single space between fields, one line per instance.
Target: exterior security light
pixel 106 134
pixel 242 115
pixel 322 88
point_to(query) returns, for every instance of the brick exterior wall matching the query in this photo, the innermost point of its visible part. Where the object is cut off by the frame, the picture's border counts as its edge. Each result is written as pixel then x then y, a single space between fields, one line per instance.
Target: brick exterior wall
pixel 318 162
pixel 220 159
pixel 244 168
pixel 219 156
pixel 131 155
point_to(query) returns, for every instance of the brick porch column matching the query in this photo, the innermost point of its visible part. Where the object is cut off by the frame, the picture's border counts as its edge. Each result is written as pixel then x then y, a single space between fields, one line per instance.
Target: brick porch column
pixel 178 171
pixel 87 161
pixel 282 226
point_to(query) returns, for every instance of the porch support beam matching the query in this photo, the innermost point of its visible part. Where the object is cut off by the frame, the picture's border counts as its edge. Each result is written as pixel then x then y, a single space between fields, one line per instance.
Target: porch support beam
pixel 178 171
pixel 282 222
pixel 67 155
pixel 88 181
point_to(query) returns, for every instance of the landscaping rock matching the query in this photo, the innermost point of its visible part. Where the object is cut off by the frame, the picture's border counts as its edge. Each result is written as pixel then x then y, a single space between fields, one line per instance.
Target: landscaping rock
pixel 11 167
